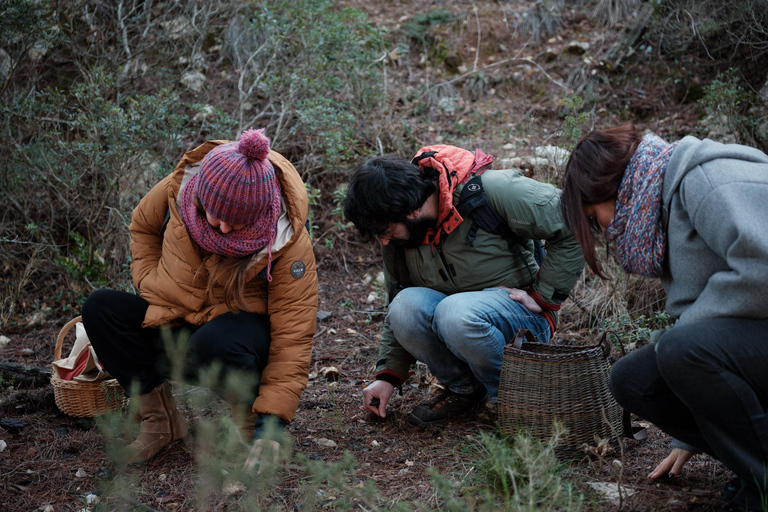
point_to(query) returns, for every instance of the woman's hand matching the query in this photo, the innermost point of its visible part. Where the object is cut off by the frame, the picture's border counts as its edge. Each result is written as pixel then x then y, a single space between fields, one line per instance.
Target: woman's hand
pixel 523 298
pixel 672 465
pixel 263 450
pixel 376 396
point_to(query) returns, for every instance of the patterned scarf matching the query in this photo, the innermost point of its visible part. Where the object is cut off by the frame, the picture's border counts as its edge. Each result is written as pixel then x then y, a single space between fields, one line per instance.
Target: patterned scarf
pixel 636 229
pixel 249 240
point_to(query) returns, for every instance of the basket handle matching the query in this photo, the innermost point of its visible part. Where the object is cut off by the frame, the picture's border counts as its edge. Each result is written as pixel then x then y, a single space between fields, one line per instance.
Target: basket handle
pixel 522 335
pixel 62 334
pixel 606 345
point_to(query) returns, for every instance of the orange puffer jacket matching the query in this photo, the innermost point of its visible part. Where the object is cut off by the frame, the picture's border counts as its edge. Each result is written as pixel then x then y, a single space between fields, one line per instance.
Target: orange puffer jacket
pixel 170 271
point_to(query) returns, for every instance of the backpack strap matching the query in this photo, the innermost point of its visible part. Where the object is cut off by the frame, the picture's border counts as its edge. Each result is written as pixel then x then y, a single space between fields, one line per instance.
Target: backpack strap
pixel 473 204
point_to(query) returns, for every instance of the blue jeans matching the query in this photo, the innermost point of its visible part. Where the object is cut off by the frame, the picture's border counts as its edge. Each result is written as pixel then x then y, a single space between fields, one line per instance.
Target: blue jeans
pixel 461 337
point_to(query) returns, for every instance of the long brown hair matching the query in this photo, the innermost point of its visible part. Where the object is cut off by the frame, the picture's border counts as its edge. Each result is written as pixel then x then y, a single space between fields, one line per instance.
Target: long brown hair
pixel 229 273
pixel 593 175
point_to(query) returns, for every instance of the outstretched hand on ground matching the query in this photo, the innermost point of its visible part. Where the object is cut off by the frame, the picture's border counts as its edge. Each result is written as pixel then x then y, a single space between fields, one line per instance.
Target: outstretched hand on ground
pixel 672 466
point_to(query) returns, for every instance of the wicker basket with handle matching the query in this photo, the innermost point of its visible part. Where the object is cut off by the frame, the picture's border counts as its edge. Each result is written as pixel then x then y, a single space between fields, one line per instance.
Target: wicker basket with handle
pixel 541 384
pixel 84 399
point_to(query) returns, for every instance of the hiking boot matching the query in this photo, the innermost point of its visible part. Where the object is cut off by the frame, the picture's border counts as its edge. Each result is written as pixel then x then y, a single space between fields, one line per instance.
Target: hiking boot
pixel 446 405
pixel 161 424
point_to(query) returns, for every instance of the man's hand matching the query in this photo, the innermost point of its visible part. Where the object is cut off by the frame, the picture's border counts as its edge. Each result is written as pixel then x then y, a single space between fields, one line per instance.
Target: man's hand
pixel 672 465
pixel 523 298
pixel 378 391
pixel 263 450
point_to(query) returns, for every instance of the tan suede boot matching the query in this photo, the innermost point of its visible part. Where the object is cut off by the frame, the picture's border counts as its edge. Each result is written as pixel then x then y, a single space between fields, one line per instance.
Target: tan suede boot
pixel 245 419
pixel 161 424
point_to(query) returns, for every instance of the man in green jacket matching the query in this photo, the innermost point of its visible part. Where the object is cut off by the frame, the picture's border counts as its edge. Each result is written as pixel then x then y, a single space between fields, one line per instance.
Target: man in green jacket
pixel 458 294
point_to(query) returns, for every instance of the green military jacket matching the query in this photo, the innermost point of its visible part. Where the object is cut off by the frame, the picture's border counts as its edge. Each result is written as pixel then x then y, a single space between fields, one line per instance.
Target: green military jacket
pixel 532 212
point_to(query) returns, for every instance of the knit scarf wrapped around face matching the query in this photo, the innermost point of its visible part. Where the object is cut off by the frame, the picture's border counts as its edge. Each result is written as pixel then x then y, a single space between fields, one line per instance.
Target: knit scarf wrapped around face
pixel 249 240
pixel 638 236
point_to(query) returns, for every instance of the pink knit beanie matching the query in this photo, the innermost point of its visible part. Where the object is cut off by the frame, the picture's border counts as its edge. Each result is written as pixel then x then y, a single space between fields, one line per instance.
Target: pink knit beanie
pixel 238 185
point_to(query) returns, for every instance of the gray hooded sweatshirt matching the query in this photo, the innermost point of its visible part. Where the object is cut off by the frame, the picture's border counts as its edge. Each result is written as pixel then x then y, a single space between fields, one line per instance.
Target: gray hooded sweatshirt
pixel 715 200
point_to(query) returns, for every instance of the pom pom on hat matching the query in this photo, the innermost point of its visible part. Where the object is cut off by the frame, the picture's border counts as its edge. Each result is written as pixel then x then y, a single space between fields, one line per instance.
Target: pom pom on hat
pixel 254 145
pixel 237 183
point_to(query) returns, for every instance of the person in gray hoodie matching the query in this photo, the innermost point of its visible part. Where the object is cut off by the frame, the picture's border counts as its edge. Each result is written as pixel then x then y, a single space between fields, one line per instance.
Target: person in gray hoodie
pixel 693 213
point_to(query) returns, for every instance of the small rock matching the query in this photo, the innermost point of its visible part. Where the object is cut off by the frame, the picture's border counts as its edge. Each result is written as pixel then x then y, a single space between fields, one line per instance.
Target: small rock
pixel 371 298
pixel 315 456
pixel 206 111
pixel 12 425
pixel 322 315
pixel 193 80
pixel 577 48
pixel 177 27
pixel 81 473
pixel 36 320
pixel 46 508
pixel 3 445
pixel 104 472
pixel 4 341
pixel 374 443
pixel 326 443
pixel 92 499
pixel 27 352
pixel 163 477
pixel 380 279
pixel 233 489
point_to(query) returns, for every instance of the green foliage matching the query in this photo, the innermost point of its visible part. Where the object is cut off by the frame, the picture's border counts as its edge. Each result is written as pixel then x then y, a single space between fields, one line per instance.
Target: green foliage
pixel 82 159
pixel 309 69
pixel 421 27
pixel 726 101
pixel 543 19
pixel 636 330
pixel 576 122
pixel 522 474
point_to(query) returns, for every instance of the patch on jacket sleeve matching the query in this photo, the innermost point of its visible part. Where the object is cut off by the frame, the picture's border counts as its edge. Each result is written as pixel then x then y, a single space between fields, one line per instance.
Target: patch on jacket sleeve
pixel 297 269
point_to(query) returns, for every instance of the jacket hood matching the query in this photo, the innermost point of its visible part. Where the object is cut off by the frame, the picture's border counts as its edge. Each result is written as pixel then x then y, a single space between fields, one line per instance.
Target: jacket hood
pixel 454 166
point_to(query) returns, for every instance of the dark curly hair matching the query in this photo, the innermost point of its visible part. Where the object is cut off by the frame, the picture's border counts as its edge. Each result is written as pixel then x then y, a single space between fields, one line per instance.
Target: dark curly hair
pixel 383 190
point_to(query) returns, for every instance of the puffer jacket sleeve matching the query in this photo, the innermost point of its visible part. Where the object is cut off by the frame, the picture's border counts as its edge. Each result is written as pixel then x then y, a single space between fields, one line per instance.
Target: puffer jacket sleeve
pixel 146 224
pixel 292 305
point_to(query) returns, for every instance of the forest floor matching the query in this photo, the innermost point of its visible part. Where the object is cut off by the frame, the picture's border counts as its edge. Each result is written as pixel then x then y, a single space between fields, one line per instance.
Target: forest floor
pixel 516 107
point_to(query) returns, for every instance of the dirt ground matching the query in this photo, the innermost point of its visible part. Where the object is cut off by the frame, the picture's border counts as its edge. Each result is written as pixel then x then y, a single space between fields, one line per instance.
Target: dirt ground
pixel 46 450
pixel 39 465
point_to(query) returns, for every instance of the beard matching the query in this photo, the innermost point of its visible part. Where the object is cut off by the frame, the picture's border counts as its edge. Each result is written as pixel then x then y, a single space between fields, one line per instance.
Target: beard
pixel 417 231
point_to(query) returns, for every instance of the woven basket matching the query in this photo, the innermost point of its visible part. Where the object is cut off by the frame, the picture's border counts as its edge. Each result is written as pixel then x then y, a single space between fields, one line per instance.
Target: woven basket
pixel 84 399
pixel 541 384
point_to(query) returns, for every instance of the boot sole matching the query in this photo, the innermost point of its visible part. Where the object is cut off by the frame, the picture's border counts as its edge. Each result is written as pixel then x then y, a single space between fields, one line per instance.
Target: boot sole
pixel 145 461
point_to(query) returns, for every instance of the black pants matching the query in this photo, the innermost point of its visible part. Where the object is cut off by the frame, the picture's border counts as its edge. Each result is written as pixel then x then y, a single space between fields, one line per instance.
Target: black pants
pixel 238 342
pixel 705 384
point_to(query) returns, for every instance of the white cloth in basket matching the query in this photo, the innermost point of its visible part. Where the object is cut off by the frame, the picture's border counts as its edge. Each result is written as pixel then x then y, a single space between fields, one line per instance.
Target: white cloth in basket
pixel 82 363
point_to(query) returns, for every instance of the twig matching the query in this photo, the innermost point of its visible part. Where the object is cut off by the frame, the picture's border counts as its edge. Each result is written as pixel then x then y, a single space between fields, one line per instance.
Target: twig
pixel 499 63
pixel 477 50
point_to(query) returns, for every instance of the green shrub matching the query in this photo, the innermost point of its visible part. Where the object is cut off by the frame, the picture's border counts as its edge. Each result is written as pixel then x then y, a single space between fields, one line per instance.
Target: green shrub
pixel 308 71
